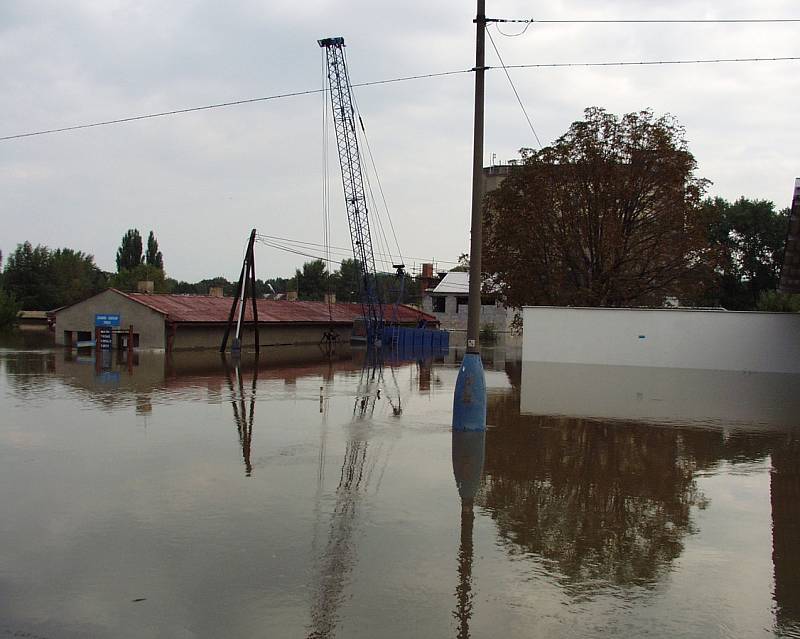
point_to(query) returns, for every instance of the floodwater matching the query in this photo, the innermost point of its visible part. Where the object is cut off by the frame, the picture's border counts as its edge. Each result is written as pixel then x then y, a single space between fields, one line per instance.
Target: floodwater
pixel 191 497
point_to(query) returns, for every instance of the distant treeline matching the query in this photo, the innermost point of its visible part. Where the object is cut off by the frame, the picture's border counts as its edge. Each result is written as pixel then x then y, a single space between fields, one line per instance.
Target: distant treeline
pixel 746 239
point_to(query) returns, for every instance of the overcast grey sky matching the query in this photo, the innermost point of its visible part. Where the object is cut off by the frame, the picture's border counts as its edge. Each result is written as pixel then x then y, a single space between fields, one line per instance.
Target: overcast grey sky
pixel 202 180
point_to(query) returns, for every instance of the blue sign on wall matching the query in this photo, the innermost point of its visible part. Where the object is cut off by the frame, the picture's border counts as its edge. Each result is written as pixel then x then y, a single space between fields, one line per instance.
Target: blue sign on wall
pixel 106 319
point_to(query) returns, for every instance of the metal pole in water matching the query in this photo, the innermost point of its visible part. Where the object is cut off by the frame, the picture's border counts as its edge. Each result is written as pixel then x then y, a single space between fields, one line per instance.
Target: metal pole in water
pixel 469 400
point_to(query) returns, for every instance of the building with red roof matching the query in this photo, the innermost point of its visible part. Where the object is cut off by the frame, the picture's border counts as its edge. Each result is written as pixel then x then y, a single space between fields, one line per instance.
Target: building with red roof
pixel 184 322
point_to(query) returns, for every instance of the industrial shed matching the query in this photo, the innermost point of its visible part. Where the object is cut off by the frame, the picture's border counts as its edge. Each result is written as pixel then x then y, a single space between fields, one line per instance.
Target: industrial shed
pixel 185 322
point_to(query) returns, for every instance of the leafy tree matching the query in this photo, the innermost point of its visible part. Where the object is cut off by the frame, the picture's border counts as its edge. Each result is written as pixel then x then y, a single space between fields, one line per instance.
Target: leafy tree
pixel 42 279
pixel 128 279
pixel 609 215
pixel 271 286
pixel 9 310
pixel 345 281
pixel 153 256
pixel 74 276
pixel 463 263
pixel 779 302
pixel 312 281
pixel 749 236
pixel 27 277
pixel 129 253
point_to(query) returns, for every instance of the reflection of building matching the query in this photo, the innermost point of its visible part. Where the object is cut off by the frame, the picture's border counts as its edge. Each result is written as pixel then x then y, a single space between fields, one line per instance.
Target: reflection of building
pixel 785 497
pixel 182 322
pixel 609 502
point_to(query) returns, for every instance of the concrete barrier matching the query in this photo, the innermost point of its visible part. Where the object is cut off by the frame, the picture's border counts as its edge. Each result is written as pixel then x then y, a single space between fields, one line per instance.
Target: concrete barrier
pixel 668 338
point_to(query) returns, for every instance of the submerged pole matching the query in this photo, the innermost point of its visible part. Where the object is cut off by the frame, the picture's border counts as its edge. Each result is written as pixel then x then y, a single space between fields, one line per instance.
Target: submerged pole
pixel 469 400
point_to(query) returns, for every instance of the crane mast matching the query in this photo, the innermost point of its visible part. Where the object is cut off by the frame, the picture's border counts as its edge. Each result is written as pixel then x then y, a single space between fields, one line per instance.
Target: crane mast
pixel 353 184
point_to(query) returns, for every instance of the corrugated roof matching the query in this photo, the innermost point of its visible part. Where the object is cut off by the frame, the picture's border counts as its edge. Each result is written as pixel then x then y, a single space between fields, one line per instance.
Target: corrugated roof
pixel 454 283
pixel 207 309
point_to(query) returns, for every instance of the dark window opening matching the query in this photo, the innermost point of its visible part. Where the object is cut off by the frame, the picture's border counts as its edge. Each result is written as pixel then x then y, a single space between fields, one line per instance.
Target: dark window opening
pixel 461 301
pixel 438 304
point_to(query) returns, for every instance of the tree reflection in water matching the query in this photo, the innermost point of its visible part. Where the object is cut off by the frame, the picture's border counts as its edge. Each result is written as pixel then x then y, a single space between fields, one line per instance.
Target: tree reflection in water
pixel 604 503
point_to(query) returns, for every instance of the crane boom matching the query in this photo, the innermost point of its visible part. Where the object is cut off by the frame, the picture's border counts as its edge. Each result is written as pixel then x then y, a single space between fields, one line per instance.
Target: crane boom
pixel 353 184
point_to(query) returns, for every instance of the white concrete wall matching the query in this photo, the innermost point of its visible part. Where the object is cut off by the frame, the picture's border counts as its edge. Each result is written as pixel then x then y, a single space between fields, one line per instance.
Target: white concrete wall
pixel 670 338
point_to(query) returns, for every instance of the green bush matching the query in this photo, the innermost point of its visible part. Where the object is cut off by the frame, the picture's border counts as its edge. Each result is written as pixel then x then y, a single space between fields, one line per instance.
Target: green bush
pixel 488 334
pixel 9 310
pixel 779 302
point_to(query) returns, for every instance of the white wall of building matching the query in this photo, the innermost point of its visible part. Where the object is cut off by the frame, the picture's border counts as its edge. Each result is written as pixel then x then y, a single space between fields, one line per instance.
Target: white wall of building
pixel 669 338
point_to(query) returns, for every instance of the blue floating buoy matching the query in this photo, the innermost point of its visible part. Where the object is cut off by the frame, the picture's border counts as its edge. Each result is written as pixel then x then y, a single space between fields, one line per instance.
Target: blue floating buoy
pixel 469 400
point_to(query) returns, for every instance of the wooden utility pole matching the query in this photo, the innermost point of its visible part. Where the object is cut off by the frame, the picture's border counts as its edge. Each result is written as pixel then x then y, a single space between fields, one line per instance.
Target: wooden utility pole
pixel 247 277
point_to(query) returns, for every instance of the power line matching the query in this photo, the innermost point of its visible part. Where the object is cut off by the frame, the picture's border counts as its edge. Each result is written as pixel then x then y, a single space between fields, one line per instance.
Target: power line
pixel 646 62
pixel 221 105
pixel 647 21
pixel 343 249
pixel 388 81
pixel 513 88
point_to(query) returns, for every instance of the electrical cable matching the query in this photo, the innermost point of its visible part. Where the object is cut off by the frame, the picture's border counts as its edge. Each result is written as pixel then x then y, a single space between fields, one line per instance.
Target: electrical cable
pixel 381 234
pixel 378 179
pixel 647 62
pixel 513 88
pixel 278 238
pixel 220 105
pixel 646 21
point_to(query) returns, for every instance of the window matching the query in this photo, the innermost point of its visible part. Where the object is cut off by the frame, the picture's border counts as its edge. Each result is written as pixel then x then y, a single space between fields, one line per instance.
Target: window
pixel 438 304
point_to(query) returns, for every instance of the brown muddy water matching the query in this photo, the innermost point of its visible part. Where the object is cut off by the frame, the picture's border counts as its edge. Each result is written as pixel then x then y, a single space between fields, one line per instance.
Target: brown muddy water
pixel 191 497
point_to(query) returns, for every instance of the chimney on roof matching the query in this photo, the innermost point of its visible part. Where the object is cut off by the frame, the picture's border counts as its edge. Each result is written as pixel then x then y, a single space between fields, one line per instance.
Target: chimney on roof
pixel 216 291
pixel 145 286
pixel 330 298
pixel 291 296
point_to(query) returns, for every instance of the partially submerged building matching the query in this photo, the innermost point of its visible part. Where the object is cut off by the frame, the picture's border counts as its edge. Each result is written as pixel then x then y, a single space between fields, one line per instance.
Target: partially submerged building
pixel 184 322
pixel 448 302
pixel 790 272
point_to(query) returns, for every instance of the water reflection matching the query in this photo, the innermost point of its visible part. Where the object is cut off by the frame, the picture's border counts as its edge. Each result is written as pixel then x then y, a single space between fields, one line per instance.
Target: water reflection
pixel 785 500
pixel 241 415
pixel 609 503
pixel 468 457
pixel 565 518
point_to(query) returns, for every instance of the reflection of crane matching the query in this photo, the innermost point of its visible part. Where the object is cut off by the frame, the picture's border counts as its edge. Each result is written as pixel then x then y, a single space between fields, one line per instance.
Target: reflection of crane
pixel 337 559
pixel 355 195
pixel 371 383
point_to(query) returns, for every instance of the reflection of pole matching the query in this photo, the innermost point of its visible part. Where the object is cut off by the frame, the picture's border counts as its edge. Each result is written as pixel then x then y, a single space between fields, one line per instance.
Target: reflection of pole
pixel 463 611
pixel 469 400
pixel 243 420
pixel 468 456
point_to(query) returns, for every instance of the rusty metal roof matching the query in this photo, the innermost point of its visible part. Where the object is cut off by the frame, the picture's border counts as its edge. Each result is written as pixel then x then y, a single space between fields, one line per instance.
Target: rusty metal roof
pixel 790 272
pixel 207 309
